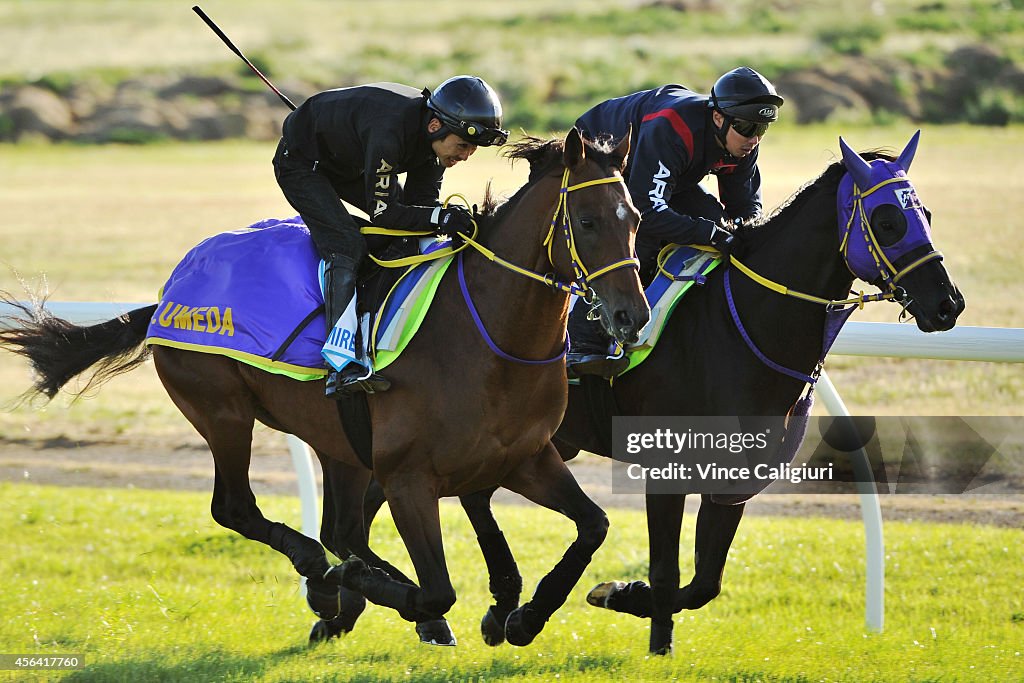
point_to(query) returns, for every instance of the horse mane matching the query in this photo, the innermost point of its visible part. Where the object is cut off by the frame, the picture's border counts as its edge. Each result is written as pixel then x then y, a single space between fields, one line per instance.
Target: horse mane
pixel 827 182
pixel 544 157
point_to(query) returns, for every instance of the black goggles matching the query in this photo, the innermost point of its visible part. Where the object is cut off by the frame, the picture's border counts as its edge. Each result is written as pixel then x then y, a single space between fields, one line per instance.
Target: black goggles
pixel 478 135
pixel 748 129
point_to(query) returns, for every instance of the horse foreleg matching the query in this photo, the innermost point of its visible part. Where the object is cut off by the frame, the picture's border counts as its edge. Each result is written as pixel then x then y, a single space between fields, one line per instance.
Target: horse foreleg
pixel 504 580
pixel 416 515
pixel 546 480
pixel 664 522
pixel 716 529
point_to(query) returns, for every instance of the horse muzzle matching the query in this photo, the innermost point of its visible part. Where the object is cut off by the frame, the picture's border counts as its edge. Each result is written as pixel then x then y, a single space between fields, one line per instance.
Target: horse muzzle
pixel 625 323
pixel 941 316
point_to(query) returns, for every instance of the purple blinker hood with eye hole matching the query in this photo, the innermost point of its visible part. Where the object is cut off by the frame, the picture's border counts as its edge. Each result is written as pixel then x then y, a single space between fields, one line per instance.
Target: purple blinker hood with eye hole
pixel 860 194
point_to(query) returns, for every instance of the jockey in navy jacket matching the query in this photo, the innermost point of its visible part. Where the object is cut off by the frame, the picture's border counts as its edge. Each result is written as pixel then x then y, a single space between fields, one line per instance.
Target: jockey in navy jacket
pixel 673 146
pixel 678 137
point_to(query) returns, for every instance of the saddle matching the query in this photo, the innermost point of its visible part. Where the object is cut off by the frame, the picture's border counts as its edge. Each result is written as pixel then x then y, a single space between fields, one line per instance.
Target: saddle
pixel 254 295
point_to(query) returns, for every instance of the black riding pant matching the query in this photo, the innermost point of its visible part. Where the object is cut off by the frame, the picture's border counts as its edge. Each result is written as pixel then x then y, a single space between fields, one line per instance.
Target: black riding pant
pixel 318 200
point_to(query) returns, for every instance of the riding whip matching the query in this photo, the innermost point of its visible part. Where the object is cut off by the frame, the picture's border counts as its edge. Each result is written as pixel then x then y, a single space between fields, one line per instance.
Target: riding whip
pixel 231 46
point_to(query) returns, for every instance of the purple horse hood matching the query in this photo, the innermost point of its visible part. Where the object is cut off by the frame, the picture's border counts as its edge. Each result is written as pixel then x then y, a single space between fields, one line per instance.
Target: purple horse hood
pixel 865 187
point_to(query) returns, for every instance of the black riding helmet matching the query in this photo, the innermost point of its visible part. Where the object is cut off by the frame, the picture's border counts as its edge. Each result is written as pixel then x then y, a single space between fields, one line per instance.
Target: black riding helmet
pixel 747 95
pixel 468 107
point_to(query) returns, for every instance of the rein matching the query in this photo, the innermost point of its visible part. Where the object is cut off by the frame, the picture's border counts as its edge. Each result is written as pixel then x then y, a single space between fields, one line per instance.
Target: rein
pixel 580 285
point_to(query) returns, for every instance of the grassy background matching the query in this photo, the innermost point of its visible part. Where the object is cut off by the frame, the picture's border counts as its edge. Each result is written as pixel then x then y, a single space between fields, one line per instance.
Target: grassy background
pixel 549 60
pixel 147 587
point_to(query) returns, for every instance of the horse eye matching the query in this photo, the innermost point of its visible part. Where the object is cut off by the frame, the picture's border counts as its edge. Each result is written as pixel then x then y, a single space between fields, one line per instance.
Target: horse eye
pixel 587 223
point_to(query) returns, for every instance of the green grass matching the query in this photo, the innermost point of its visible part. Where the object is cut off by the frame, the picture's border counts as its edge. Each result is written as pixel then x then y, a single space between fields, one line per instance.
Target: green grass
pixel 147 587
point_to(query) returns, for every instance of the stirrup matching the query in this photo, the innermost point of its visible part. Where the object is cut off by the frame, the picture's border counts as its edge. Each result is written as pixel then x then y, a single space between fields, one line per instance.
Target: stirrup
pixel 345 383
pixel 600 364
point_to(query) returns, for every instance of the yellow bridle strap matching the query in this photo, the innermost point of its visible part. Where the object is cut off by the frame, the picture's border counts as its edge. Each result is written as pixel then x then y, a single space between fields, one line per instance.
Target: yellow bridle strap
pixel 624 263
pixel 919 262
pixel 562 209
pixel 469 241
pixel 860 300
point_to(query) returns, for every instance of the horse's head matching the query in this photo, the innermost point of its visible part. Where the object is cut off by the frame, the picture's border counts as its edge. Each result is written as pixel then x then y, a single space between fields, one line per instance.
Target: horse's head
pixel 886 238
pixel 599 223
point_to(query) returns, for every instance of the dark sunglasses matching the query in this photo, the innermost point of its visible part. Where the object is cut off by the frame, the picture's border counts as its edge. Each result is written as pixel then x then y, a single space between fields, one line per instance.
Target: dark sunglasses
pixel 484 137
pixel 748 129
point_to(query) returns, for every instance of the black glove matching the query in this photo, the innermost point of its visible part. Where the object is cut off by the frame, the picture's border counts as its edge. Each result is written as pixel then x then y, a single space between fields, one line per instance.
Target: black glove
pixel 720 239
pixel 451 220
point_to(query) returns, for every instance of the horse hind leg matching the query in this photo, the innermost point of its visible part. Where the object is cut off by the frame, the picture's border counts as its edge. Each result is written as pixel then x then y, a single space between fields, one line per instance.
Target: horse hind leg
pixel 214 397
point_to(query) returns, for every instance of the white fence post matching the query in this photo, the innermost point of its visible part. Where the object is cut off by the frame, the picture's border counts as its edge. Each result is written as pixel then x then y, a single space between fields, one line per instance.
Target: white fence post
pixel 871 513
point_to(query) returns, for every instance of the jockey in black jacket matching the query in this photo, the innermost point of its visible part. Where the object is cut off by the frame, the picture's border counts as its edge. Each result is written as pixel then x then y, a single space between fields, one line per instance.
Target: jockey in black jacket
pixel 677 138
pixel 351 144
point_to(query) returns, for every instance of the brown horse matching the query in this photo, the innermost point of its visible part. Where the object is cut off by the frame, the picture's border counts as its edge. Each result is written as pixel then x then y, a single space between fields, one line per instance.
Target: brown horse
pixel 460 417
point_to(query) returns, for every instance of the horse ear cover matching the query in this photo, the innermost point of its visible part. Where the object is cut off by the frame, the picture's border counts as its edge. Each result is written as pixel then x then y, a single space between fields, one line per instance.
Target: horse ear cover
pixel 907 155
pixel 859 169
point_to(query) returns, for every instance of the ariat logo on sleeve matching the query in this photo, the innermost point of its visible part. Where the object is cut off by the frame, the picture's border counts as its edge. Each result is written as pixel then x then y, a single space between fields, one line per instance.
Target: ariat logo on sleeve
pixel 657 193
pixel 382 188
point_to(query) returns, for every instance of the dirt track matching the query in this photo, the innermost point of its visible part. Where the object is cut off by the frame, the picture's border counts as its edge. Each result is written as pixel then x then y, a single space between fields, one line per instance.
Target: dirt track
pixel 190 467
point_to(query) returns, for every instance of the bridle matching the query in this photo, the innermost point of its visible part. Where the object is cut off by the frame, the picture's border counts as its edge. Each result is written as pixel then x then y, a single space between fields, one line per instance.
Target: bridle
pixel 865 258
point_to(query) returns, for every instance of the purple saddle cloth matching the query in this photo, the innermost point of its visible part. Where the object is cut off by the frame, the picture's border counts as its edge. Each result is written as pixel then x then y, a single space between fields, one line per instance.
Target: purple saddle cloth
pixel 250 294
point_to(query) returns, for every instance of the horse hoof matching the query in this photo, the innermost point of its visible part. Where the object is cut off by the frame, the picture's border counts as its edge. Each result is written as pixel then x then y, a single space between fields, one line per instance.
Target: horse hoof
pixel 522 626
pixel 492 626
pixel 661 639
pixel 602 592
pixel 324 598
pixel 629 598
pixel 324 631
pixel 352 605
pixel 436 632
pixel 348 573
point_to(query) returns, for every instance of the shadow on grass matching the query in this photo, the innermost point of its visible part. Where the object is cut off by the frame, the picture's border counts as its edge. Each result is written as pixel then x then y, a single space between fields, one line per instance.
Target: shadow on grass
pixel 214 665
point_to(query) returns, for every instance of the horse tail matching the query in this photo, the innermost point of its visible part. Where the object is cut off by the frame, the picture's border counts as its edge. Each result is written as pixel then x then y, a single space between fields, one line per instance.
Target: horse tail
pixel 60 350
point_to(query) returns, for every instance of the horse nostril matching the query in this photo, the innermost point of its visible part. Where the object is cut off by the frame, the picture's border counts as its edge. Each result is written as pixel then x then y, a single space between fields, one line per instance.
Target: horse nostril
pixel 623 319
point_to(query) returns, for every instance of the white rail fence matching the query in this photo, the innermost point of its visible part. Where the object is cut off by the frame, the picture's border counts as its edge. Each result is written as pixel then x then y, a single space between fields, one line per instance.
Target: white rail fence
pixel 1005 345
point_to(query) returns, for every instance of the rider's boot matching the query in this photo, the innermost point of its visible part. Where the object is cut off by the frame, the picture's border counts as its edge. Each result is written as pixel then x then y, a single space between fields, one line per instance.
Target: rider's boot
pixel 589 347
pixel 339 288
